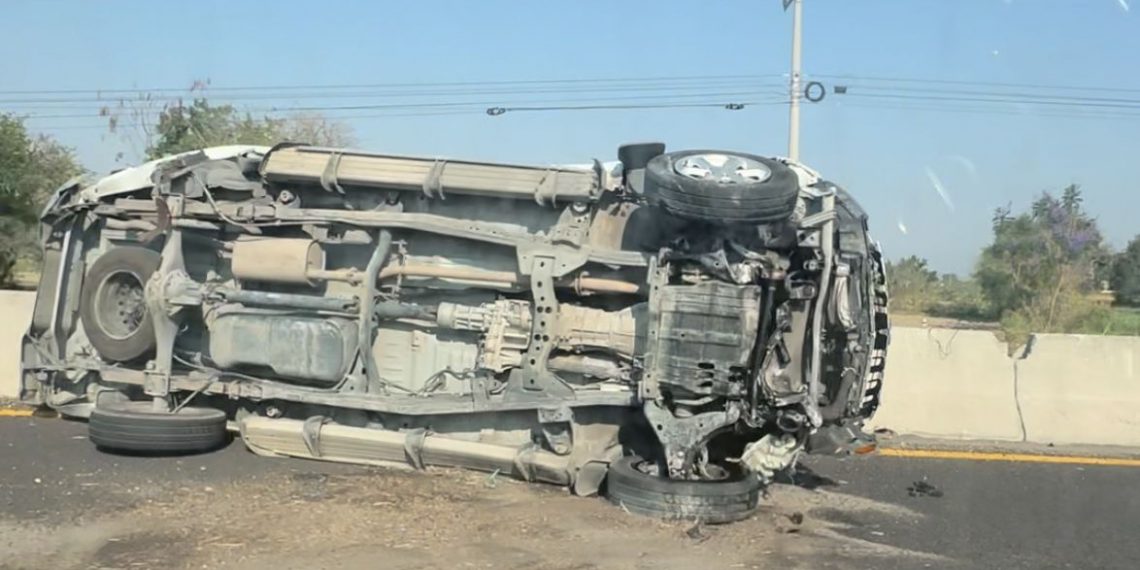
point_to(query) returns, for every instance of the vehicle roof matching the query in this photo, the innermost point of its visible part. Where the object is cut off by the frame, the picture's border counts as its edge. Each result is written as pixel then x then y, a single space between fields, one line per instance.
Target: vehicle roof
pixel 139 177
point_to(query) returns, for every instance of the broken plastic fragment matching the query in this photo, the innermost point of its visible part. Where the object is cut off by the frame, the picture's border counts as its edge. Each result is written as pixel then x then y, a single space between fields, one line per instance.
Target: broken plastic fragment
pixel 770 454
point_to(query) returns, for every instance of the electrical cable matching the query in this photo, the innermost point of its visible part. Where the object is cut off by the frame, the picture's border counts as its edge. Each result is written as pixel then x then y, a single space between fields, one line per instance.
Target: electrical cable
pixel 977 83
pixel 284 87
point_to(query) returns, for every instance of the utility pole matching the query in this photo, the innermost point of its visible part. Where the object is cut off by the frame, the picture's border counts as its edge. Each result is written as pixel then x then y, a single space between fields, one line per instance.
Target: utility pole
pixel 794 83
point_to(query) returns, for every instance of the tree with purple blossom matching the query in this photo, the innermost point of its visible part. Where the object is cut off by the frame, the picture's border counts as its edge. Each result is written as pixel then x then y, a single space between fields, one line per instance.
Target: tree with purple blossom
pixel 1042 263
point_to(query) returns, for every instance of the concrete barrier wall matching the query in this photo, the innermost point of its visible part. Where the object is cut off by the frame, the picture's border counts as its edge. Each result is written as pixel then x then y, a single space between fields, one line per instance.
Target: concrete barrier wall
pixel 949 384
pixel 941 383
pixel 15 316
pixel 1065 389
pixel 1081 389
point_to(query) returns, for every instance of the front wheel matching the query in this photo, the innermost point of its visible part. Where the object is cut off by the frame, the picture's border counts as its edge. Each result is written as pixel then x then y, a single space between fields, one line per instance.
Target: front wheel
pixel 723 187
pixel 636 485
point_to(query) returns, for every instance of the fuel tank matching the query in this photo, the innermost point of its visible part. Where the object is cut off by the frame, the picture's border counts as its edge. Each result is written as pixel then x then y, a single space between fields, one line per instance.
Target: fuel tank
pixel 306 349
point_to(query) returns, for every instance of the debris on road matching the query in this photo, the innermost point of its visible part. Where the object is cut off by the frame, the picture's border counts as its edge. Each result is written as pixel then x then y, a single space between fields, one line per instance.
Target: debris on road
pixel 697 532
pixel 923 489
pixel 492 480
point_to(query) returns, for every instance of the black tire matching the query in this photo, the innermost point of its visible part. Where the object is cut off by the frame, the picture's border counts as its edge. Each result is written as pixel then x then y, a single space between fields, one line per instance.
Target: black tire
pixel 772 199
pixel 712 502
pixel 121 274
pixel 135 427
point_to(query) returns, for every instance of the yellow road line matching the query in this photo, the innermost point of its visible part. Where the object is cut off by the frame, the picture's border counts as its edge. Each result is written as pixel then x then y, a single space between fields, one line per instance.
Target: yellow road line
pixel 1010 457
pixel 891 452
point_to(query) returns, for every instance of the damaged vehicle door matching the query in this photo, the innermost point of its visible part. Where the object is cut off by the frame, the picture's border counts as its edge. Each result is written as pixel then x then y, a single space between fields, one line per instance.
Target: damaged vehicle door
pixel 680 325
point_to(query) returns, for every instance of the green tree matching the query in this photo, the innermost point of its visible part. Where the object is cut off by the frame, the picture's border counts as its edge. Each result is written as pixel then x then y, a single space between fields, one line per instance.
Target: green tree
pixel 1125 277
pixel 181 128
pixel 315 129
pixel 1041 264
pixel 165 127
pixel 31 167
pixel 960 299
pixel 915 288
pixel 912 284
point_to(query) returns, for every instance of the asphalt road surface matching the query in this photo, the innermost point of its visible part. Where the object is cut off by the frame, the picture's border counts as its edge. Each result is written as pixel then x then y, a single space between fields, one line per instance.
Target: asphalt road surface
pixel 65 505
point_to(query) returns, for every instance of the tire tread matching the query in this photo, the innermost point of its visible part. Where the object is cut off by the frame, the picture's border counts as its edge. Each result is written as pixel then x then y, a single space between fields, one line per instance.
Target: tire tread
pixel 712 502
pixel 132 426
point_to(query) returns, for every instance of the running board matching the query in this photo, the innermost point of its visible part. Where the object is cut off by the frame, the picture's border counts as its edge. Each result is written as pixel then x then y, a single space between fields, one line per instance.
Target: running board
pixel 316 439
pixel 335 168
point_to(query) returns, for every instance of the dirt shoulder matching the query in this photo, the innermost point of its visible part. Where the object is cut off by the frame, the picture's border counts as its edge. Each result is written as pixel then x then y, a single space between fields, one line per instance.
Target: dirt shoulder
pixel 437 519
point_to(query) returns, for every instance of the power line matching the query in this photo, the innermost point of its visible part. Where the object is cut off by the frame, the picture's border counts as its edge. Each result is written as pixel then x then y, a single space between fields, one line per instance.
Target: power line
pixel 387 94
pixel 624 93
pixel 395 89
pixel 997 99
pixel 733 106
pixel 285 87
pixel 978 83
pixel 500 103
pixel 1022 95
pixel 446 104
pixel 988 110
pixel 668 87
pixel 916 94
pixel 585 94
pixel 435 113
pixel 984 97
pixel 729 105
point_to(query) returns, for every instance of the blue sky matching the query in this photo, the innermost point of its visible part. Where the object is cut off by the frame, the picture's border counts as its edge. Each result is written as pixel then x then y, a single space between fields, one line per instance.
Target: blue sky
pixel 892 155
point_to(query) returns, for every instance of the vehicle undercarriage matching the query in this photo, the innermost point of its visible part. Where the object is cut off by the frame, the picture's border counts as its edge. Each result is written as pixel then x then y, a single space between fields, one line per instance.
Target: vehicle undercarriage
pixel 684 322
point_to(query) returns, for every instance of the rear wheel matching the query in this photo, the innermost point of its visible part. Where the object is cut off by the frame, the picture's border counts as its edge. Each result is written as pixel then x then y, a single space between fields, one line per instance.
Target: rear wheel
pixel 636 485
pixel 136 427
pixel 112 304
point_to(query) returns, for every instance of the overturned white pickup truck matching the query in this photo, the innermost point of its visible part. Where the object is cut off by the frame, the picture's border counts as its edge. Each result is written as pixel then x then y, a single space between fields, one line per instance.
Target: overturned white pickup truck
pixel 672 328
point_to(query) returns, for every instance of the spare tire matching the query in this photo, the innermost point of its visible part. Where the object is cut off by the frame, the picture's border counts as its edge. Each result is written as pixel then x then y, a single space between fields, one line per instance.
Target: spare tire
pixel 112 304
pixel 634 484
pixel 136 427
pixel 723 187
